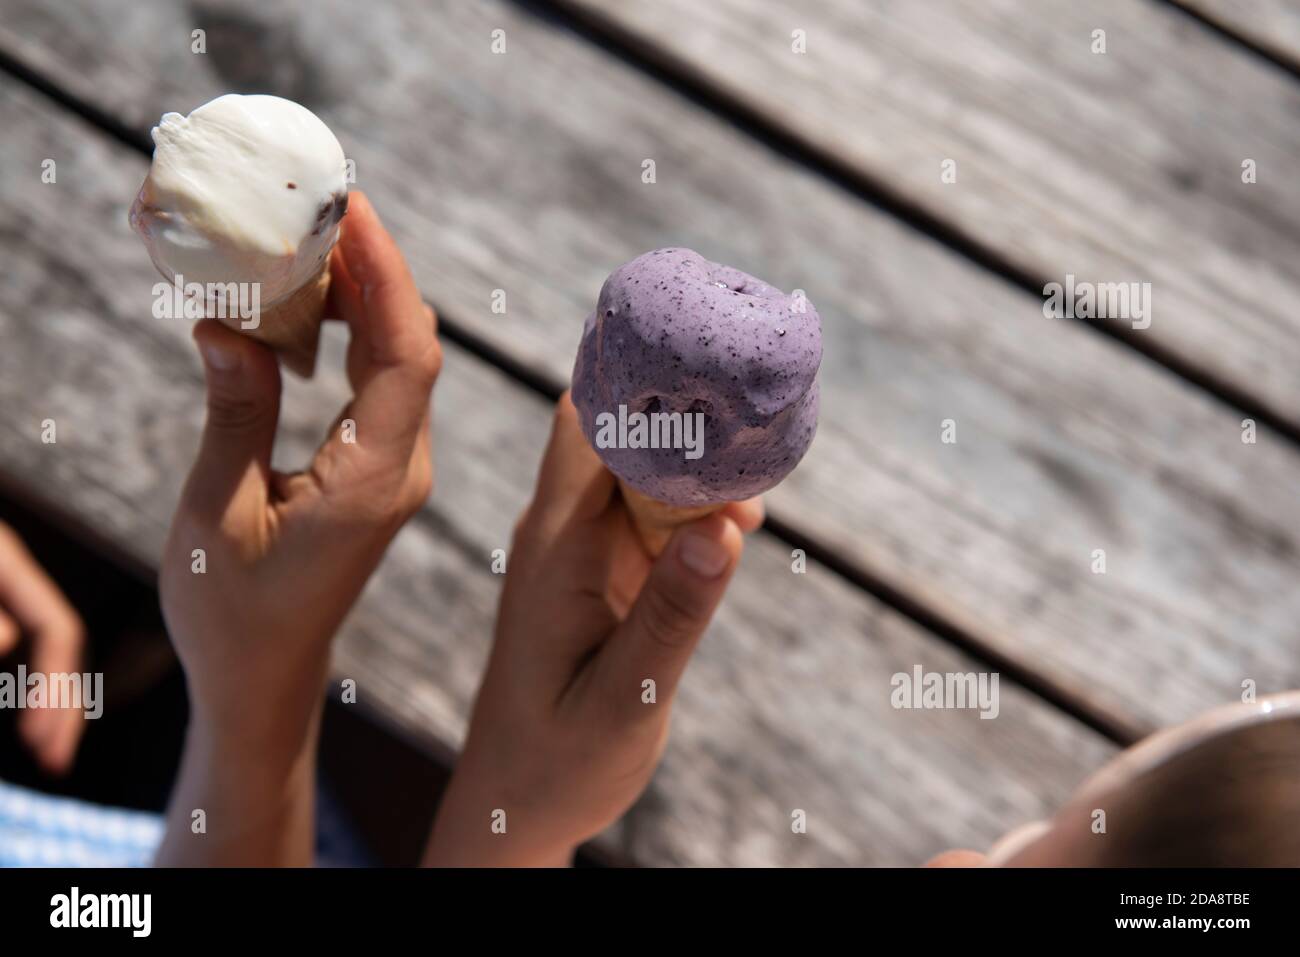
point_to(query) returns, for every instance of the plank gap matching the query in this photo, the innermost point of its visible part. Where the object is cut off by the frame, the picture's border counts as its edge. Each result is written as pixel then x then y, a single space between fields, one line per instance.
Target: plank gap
pixel 137 140
pixel 1238 40
pixel 1115 729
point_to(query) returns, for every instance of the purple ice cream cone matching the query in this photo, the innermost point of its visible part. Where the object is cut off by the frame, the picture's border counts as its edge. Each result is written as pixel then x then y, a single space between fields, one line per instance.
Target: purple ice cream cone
pixel 676 333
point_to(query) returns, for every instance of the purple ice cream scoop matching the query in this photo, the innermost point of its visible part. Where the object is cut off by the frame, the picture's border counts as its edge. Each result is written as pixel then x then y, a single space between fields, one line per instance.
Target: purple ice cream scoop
pixel 676 333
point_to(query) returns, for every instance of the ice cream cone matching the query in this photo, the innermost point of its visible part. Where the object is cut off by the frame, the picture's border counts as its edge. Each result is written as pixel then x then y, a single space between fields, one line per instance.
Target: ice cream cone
pixel 292 326
pixel 248 192
pixel 655 521
pixel 719 371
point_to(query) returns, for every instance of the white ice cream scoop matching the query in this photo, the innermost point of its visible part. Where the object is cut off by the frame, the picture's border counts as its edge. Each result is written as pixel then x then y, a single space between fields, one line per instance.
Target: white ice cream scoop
pixel 248 189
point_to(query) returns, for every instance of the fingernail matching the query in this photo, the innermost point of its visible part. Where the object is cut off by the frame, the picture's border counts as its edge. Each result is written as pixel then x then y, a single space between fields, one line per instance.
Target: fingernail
pixel 703 556
pixel 218 357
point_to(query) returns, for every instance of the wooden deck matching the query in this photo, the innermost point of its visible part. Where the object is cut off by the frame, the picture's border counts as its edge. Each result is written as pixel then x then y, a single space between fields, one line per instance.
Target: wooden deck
pixel 819 171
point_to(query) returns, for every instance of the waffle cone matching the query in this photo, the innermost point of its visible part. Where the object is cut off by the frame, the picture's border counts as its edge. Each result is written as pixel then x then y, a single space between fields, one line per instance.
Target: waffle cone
pixel 292 326
pixel 655 521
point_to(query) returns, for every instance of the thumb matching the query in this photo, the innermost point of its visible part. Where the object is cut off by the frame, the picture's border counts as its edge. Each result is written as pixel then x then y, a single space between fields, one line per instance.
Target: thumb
pixel 675 605
pixel 9 633
pixel 243 388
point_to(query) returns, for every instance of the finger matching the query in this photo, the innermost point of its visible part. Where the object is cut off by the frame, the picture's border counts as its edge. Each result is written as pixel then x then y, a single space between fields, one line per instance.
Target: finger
pixel 344 299
pixel 52 733
pixel 58 648
pixel 243 395
pixel 57 747
pixel 9 633
pixel 748 515
pixel 388 292
pixel 673 609
pixel 35 605
pixel 394 356
pixel 572 481
pixel 30 598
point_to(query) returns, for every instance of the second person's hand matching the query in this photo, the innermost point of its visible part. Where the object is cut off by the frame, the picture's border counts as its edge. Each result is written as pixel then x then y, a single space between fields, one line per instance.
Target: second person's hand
pixel 592 638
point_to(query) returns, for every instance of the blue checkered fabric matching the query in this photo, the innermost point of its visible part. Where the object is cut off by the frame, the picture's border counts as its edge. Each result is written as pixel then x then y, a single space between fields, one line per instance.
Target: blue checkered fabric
pixel 38 830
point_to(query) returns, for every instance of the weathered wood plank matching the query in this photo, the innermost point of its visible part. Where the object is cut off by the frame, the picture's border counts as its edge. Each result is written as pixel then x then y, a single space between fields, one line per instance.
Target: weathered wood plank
pixel 522 172
pixel 1271 25
pixel 786 706
pixel 1119 167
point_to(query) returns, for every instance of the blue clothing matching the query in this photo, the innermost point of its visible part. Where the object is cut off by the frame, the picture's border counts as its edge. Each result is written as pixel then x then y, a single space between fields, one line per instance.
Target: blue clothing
pixel 39 830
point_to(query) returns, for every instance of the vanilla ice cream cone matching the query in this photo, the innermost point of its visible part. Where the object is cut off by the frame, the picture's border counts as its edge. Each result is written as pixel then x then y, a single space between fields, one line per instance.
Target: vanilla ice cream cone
pixel 655 521
pixel 246 193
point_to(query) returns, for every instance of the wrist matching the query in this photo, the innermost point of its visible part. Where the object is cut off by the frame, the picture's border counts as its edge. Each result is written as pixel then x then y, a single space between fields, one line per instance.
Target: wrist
pixel 255 796
pixel 477 827
pixel 267 741
pixel 270 721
